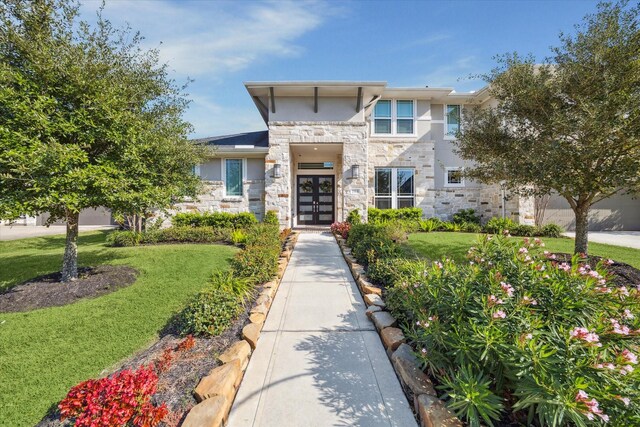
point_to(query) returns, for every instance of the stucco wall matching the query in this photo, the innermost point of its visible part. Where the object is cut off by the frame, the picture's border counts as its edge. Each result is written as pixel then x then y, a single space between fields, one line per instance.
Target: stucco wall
pixel 300 109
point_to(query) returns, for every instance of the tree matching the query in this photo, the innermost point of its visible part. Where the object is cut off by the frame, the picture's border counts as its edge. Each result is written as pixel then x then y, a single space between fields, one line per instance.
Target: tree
pixel 570 125
pixel 87 118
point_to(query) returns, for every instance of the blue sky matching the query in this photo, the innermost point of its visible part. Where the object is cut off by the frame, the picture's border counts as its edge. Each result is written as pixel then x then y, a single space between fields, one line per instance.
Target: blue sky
pixel 220 44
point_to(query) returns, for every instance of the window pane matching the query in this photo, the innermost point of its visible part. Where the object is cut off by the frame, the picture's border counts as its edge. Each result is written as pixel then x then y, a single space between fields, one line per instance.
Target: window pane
pixel 405 202
pixel 383 109
pixel 383 126
pixel 404 109
pixel 383 202
pixel 453 119
pixel 405 126
pixel 383 182
pixel 233 177
pixel 405 182
pixel 454 177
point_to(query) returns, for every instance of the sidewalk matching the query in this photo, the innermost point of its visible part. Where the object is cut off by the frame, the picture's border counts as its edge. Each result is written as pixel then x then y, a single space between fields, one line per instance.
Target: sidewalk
pixel 319 361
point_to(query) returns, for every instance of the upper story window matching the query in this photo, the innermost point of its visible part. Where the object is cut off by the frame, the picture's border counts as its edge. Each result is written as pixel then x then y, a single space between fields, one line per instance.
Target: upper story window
pixel 453 177
pixel 394 188
pixel 452 120
pixel 233 177
pixel 394 117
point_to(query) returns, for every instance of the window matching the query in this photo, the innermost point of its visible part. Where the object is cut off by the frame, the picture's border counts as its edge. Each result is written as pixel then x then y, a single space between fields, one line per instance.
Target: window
pixel 394 188
pixel 452 120
pixel 453 177
pixel 324 165
pixel 233 176
pixel 395 117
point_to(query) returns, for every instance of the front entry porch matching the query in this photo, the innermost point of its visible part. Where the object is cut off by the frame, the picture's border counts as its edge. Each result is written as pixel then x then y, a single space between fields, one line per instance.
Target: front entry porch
pixel 315 199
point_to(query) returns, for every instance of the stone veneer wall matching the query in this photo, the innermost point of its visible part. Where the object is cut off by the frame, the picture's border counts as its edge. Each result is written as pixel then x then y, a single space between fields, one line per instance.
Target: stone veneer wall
pixel 212 199
pixel 486 200
pixel 405 153
pixel 352 136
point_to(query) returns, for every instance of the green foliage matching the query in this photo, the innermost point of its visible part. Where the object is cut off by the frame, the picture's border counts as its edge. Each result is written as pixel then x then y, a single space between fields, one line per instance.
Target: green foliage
pixel 271 217
pixel 524 230
pixel 89 118
pixel 524 328
pixel 258 261
pixel 386 215
pixel 429 225
pixel 210 313
pixel 541 137
pixel 215 219
pixel 391 271
pixel 239 237
pixel 471 227
pixel 227 281
pixel 354 217
pixel 551 230
pixel 170 235
pixel 372 241
pixel 497 225
pixel 466 216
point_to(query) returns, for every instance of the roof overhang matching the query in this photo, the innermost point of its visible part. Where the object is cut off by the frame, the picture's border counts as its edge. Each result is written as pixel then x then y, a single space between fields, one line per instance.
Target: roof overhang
pixel 265 94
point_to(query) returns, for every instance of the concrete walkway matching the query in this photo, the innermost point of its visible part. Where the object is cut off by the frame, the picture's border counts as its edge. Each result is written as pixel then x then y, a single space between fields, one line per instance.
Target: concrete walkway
pixel 319 361
pixel 629 239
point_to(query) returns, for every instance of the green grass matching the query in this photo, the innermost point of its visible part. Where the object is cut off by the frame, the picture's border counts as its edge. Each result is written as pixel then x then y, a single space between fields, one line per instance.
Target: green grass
pixel 455 246
pixel 45 352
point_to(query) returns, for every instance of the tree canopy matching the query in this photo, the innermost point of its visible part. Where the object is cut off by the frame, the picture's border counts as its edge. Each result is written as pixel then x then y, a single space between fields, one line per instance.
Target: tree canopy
pixel 570 124
pixel 88 118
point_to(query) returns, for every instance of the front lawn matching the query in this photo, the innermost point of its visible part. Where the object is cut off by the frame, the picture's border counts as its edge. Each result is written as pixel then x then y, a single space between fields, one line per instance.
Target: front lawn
pixel 455 246
pixel 45 352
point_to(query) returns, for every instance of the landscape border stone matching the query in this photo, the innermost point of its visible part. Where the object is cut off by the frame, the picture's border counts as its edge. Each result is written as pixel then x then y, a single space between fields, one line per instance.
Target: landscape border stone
pixel 430 410
pixel 216 393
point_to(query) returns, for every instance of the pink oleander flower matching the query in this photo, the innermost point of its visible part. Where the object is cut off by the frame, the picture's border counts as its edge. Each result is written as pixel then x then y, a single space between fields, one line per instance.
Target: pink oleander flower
pixel 602 281
pixel 629 357
pixel 581 396
pixel 564 266
pixel 603 289
pixel 507 288
pixel 523 250
pixel 529 336
pixel 624 400
pixel 626 369
pixel 628 314
pixel 584 335
pixel 424 351
pixel 527 258
pixel 619 329
pixel 529 301
pixel 438 264
pixel 623 291
pixel 493 300
pixel 499 314
pixel 593 406
pixel 537 241
pixel 609 262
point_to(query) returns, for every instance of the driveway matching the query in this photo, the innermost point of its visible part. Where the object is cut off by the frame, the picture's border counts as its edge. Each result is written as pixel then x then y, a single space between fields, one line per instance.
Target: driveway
pixel 15 232
pixel 629 239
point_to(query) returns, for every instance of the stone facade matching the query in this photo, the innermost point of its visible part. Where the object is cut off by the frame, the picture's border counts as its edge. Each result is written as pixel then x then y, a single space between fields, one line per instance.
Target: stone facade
pixel 352 191
pixel 212 199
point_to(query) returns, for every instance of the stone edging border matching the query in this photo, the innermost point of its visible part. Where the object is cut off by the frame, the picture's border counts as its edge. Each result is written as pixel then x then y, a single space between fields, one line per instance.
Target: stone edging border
pixel 430 410
pixel 216 391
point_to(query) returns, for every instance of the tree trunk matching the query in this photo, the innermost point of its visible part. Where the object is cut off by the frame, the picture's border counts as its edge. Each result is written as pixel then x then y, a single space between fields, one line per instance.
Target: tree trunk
pixel 70 261
pixel 582 228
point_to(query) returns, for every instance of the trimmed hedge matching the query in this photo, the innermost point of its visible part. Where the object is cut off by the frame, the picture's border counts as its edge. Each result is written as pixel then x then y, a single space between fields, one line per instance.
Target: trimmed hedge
pixel 214 219
pixel 384 215
pixel 258 260
pixel 169 235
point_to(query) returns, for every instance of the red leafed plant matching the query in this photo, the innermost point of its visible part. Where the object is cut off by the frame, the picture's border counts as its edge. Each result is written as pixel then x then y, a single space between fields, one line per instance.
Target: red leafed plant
pixel 119 400
pixel 165 360
pixel 341 228
pixel 187 344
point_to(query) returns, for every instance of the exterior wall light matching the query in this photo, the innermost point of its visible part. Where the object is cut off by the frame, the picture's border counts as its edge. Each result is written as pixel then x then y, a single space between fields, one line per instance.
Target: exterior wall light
pixel 277 172
pixel 355 171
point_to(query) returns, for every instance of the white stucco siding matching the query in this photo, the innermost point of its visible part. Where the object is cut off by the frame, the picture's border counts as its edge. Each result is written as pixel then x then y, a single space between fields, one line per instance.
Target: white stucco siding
pixel 301 109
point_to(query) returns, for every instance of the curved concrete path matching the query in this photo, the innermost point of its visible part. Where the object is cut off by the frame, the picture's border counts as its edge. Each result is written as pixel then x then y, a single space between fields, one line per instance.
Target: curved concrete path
pixel 319 361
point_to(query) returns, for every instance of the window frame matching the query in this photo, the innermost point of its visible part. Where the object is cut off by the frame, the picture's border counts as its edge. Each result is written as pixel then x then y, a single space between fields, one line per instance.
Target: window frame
pixel 243 178
pixel 394 187
pixel 447 135
pixel 446 176
pixel 394 119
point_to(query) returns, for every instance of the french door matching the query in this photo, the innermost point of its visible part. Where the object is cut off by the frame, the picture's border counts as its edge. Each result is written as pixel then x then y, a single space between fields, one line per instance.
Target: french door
pixel 316 199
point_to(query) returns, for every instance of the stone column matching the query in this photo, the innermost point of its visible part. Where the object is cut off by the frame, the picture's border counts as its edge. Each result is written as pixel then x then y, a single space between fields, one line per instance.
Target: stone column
pixel 278 190
pixel 355 189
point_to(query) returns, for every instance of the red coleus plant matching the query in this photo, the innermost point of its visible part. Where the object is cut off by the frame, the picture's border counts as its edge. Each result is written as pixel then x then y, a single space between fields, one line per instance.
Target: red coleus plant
pixel 119 400
pixel 187 344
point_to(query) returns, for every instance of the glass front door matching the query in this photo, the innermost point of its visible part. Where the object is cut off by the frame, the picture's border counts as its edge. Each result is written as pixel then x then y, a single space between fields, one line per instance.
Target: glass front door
pixel 316 199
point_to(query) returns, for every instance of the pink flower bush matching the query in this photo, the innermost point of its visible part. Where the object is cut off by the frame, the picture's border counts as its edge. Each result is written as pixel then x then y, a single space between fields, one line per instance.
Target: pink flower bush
pixel 584 335
pixel 592 407
pixel 499 314
pixel 507 288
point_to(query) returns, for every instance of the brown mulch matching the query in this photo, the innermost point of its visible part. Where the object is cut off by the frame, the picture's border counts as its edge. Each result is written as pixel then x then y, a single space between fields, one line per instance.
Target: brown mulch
pixel 48 291
pixel 621 274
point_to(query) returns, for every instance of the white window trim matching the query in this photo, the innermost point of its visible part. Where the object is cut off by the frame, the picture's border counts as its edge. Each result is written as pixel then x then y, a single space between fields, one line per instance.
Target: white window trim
pixel 196 170
pixel 394 119
pixel 446 177
pixel 446 122
pixel 223 169
pixel 394 187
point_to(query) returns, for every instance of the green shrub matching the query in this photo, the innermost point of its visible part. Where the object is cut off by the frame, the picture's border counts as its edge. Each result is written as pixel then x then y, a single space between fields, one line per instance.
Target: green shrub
pixel 429 225
pixel 214 219
pixel 552 230
pixel 239 237
pixel 354 217
pixel 258 260
pixel 466 216
pixel 450 226
pixel 471 227
pixel 390 271
pixel 372 241
pixel 210 313
pixel 523 230
pixel 227 281
pixel 514 328
pixel 385 215
pixel 271 217
pixel 497 225
pixel 169 235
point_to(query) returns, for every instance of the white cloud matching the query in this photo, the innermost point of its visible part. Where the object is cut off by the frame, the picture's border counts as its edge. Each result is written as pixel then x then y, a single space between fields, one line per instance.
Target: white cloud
pixel 213 38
